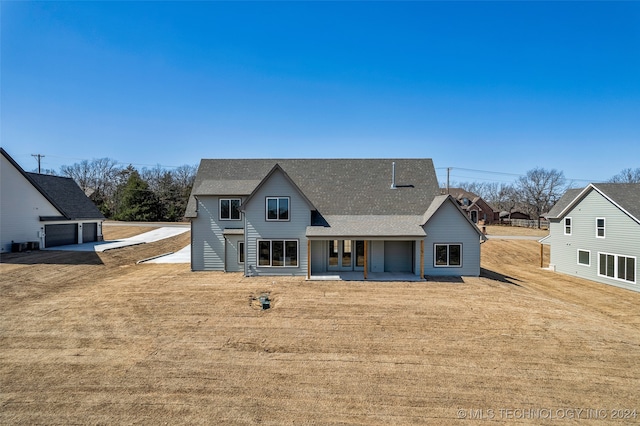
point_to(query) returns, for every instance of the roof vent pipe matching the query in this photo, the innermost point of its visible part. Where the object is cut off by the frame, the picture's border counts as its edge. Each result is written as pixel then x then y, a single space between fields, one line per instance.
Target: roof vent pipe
pixel 393 175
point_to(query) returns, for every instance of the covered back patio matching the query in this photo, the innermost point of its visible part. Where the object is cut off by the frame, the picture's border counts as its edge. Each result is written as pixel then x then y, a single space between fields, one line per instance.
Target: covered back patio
pixel 371 248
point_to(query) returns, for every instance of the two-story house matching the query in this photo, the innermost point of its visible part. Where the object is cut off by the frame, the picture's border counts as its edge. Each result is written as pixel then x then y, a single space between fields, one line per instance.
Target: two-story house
pixel 594 233
pixel 328 218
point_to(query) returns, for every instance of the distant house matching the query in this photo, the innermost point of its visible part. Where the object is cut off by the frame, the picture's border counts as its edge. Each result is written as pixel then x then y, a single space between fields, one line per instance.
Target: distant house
pixel 514 214
pixel 478 210
pixel 42 210
pixel 327 217
pixel 594 233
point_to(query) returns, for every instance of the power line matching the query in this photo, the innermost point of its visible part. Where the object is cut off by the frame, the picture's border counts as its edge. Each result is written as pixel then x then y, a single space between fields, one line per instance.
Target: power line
pixel 117 162
pixel 502 174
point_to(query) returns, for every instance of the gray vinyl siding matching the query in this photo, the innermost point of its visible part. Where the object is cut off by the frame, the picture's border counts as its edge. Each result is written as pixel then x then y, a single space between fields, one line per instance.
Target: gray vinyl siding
pixel 398 256
pixel 258 228
pixel 622 237
pixel 376 260
pixel 207 239
pixel 448 226
pixel 233 264
pixel 319 249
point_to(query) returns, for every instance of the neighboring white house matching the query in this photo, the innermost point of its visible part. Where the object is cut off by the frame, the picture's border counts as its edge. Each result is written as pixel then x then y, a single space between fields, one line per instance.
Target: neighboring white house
pixel 319 217
pixel 594 233
pixel 42 210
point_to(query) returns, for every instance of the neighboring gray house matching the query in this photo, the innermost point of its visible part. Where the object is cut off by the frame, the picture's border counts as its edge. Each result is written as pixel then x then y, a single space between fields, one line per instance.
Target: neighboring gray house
pixel 594 233
pixel 328 217
pixel 43 210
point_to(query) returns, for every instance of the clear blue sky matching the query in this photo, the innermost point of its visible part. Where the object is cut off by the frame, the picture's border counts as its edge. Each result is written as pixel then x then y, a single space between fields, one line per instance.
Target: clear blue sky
pixel 494 86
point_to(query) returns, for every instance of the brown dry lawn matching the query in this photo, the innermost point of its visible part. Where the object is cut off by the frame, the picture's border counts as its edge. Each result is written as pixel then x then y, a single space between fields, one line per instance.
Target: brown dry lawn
pixel 96 339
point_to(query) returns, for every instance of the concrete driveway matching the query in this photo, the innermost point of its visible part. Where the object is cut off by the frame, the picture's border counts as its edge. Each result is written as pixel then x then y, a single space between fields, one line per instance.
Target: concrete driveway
pixel 147 237
pixel 181 256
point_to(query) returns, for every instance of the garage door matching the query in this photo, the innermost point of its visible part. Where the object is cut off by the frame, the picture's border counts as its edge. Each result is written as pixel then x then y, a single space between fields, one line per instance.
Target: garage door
pixel 398 256
pixel 60 235
pixel 89 232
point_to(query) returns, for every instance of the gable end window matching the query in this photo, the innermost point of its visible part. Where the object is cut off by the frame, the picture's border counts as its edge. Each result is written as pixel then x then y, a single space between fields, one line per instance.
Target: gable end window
pixel 584 257
pixel 278 253
pixel 278 208
pixel 600 227
pixel 229 209
pixel 447 255
pixel 567 226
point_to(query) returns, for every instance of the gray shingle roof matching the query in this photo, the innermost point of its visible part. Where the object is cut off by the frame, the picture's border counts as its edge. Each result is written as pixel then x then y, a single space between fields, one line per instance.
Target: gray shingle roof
pixel 333 186
pixel 564 201
pixel 626 195
pixel 361 226
pixel 66 196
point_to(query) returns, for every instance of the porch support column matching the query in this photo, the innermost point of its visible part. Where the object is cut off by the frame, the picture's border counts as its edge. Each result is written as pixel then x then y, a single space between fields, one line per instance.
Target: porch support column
pixel 366 258
pixel 421 259
pixel 308 259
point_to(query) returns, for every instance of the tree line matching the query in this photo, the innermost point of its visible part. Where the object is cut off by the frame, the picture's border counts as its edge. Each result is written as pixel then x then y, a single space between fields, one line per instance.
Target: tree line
pixel 126 193
pixel 536 192
pixel 158 194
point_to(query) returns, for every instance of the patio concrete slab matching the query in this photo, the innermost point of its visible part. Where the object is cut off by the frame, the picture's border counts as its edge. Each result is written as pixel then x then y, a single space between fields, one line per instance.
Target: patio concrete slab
pixel 371 276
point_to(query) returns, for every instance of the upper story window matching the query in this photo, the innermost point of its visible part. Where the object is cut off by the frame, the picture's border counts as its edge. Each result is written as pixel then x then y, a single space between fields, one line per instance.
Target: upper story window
pixel 600 227
pixel 229 209
pixel 277 208
pixel 567 226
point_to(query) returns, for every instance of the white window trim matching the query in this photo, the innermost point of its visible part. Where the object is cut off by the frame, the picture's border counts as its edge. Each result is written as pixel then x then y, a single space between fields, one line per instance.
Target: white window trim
pixel 284 241
pixel 240 252
pixel 615 267
pixel 435 265
pixel 604 228
pixel 220 208
pixel 578 257
pixel 564 225
pixel 266 209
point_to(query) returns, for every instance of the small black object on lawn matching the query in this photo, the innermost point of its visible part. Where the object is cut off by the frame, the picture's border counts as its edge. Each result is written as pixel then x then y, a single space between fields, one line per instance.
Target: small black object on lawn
pixel 265 302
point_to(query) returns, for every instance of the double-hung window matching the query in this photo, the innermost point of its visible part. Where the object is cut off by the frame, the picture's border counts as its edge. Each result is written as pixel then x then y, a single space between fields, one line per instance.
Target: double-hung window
pixel 567 226
pixel 229 209
pixel 278 253
pixel 600 227
pixel 278 208
pixel 447 255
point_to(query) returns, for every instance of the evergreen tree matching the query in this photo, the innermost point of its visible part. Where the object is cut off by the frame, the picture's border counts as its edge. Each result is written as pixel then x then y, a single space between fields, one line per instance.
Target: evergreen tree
pixel 137 201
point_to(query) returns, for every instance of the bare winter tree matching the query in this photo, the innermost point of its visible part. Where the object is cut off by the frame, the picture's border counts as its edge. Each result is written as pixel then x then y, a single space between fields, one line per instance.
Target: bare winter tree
pixel 627 176
pixel 97 178
pixel 82 173
pixel 540 189
pixel 505 197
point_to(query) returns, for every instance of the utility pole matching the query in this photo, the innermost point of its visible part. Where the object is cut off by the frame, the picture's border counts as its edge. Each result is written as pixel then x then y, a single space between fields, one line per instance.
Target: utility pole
pixel 38 157
pixel 448 172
